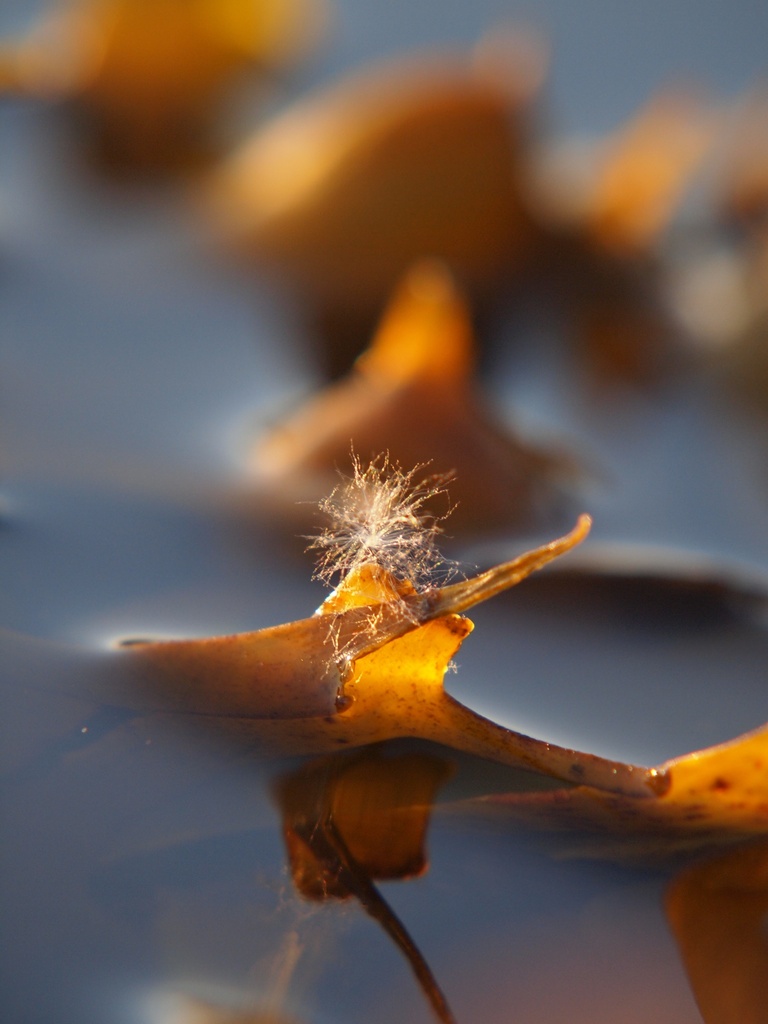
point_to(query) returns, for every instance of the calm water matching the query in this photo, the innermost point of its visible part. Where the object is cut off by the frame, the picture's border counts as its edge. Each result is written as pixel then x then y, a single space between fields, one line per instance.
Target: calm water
pixel 143 860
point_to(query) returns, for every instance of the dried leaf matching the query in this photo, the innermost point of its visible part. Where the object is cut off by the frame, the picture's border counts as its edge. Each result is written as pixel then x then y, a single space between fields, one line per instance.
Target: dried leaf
pixel 600 230
pixel 412 394
pixel 718 911
pixel 644 171
pixel 621 312
pixel 354 675
pixel 416 158
pixel 713 796
pixel 742 355
pixel 744 178
pixel 340 195
pixel 147 75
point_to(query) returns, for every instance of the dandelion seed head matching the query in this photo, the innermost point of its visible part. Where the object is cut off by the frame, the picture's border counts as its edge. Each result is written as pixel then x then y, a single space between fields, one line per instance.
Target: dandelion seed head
pixel 379 515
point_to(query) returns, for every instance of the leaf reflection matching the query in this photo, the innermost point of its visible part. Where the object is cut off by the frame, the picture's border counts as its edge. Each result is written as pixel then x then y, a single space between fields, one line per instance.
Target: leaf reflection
pixel 718 911
pixel 184 1010
pixel 350 820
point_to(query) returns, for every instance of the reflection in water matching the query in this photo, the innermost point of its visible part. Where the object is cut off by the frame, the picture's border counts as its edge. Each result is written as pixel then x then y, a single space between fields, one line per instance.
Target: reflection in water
pixel 718 911
pixel 352 819
pixel 157 836
pixel 349 820
pixel 179 1009
pixel 172 1007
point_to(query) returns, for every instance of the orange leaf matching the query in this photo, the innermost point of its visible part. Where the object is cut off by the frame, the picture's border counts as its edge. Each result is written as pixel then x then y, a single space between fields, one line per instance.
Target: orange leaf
pixel 713 796
pixel 147 75
pixel 412 395
pixel 415 158
pixel 365 673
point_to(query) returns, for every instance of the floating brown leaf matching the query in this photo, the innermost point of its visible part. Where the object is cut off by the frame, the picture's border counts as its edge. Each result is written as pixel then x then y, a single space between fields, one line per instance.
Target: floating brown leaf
pixel 712 797
pixel 412 395
pixel 740 303
pixel 148 75
pixel 431 159
pixel 743 185
pixel 599 255
pixel 643 172
pixel 366 668
pixel 415 159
